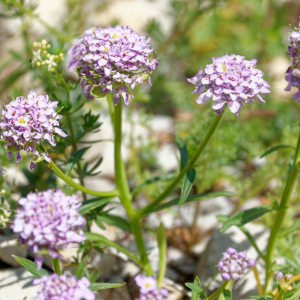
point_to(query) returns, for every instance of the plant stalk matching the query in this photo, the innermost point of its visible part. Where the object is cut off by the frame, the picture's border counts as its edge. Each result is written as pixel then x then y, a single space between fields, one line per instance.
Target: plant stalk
pixel 125 195
pixel 279 221
pixel 219 291
pixel 68 180
pixel 144 211
pixel 56 266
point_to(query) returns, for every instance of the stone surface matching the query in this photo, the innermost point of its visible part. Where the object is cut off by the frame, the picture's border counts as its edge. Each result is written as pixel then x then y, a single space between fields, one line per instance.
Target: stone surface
pixel 218 244
pixel 9 247
pixel 16 284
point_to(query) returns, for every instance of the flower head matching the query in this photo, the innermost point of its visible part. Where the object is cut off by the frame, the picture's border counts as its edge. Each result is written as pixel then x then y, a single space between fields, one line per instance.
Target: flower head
pixel 293 72
pixel 48 220
pixel 283 280
pixel 4 216
pixel 111 59
pixel 26 122
pixel 148 288
pixel 64 288
pixel 234 264
pixel 231 80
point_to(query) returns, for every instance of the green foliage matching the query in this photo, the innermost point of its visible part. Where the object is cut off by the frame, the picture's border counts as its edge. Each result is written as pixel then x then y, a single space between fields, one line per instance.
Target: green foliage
pixel 30 266
pixel 196 288
pixel 103 286
pixel 188 182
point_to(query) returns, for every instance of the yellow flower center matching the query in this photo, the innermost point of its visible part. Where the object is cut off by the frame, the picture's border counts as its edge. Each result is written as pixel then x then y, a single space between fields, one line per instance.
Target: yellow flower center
pixel 148 284
pixel 22 120
pixel 106 49
pixel 115 36
pixel 224 68
pixel 50 207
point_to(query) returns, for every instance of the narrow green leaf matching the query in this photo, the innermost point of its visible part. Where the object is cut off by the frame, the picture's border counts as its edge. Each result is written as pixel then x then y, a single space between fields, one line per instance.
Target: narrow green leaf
pixel 74 159
pixel 80 268
pixel 184 155
pixel 246 216
pixel 164 177
pixel 114 220
pixel 275 203
pixel 295 226
pixel 275 149
pixel 191 199
pixel 97 164
pixel 162 247
pixel 104 286
pixel 227 294
pixel 196 288
pixel 92 204
pixel 188 182
pixel 94 276
pixel 30 266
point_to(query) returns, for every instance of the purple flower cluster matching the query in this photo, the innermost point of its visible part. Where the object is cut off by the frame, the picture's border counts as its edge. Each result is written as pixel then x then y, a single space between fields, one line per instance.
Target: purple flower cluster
pixel 234 264
pixel 111 58
pixel 26 122
pixel 280 276
pixel 148 289
pixel 64 288
pixel 48 220
pixel 293 72
pixel 283 280
pixel 231 80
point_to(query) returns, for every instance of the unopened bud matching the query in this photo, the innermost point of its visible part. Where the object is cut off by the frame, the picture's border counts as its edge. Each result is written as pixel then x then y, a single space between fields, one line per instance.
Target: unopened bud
pixel 35 44
pixel 44 42
pixel 3 192
pixel 38 63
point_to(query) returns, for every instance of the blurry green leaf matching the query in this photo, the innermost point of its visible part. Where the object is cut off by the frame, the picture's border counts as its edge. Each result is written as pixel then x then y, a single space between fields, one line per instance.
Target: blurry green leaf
pixel 275 149
pixel 184 155
pixel 162 247
pixel 191 199
pixel 227 294
pixel 196 288
pixel 104 286
pixel 295 226
pixel 100 223
pixel 275 203
pixel 97 92
pixel 188 182
pixel 114 220
pixel 246 216
pixel 91 204
pixel 80 268
pixel 30 266
pixel 97 164
pixel 94 276
pixel 74 159
pixel 164 177
pixel 261 297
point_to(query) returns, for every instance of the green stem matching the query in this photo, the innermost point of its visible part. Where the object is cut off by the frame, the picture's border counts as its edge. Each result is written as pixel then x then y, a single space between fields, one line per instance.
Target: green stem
pixel 280 296
pixel 68 180
pixel 228 287
pixel 279 221
pixel 110 102
pixel 144 211
pixel 218 292
pixel 125 195
pixel 56 266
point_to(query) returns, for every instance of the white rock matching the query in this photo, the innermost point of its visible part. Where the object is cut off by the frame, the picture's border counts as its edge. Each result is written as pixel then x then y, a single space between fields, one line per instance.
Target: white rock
pixel 16 284
pixel 9 247
pixel 129 269
pixel 167 157
pixel 218 244
pixel 14 174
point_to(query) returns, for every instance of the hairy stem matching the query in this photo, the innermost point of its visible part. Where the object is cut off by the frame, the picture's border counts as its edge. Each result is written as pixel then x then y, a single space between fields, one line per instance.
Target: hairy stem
pixel 144 211
pixel 125 195
pixel 279 221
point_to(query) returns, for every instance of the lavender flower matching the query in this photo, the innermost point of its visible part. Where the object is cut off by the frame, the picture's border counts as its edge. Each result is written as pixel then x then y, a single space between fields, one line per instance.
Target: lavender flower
pixel 234 264
pixel 231 80
pixel 64 288
pixel 293 72
pixel 148 289
pixel 48 220
pixel 26 122
pixel 109 59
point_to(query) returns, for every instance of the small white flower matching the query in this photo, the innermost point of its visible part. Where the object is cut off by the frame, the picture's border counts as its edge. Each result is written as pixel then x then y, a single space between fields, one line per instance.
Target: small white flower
pixel 50 62
pixel 36 56
pixel 4 216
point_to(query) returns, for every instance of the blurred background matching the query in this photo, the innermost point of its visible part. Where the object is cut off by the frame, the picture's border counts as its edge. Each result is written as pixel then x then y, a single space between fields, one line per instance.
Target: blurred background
pixel 185 34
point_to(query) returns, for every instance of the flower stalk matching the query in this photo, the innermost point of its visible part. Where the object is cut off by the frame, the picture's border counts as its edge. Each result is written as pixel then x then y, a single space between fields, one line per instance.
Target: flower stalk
pixel 145 211
pixel 279 221
pixel 219 291
pixel 125 195
pixel 56 266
